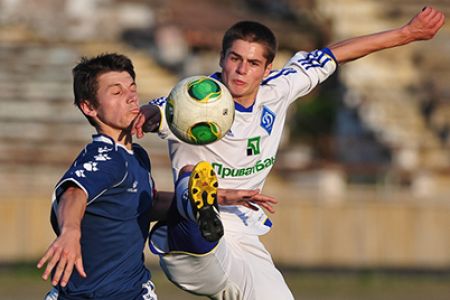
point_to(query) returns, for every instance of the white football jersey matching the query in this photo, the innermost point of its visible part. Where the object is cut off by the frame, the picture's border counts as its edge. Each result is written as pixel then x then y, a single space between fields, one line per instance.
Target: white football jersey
pixel 244 157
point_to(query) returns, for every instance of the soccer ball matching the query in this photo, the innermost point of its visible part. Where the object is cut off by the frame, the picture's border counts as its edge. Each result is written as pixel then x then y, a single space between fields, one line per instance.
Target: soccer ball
pixel 199 110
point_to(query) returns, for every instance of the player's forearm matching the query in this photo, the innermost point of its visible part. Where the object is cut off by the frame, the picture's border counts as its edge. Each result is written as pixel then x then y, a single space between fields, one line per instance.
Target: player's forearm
pixel 161 205
pixel 71 208
pixel 358 47
pixel 422 26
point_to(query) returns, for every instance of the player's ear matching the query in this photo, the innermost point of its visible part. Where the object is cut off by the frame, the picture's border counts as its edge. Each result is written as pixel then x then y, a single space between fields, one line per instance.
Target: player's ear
pixel 87 108
pixel 222 57
pixel 267 70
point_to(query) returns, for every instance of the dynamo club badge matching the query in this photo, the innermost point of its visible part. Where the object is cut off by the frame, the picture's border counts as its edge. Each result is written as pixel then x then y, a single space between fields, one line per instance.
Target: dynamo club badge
pixel 267 119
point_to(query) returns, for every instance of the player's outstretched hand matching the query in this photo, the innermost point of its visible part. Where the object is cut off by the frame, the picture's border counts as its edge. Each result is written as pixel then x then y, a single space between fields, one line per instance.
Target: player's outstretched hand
pixel 62 255
pixel 425 24
pixel 246 198
pixel 148 120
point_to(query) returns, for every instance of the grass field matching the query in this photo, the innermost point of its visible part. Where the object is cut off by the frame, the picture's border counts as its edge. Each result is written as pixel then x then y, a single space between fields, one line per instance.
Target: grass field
pixel 23 282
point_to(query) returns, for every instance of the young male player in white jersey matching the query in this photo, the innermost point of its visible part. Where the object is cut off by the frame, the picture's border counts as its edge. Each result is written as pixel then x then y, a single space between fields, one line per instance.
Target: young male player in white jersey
pixel 103 204
pixel 239 267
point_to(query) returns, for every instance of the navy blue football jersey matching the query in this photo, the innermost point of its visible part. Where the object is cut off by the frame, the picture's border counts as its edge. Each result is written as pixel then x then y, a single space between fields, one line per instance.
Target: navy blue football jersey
pixel 115 226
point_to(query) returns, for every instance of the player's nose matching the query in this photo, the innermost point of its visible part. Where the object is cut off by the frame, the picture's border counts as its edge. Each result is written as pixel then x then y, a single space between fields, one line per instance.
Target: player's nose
pixel 242 68
pixel 132 97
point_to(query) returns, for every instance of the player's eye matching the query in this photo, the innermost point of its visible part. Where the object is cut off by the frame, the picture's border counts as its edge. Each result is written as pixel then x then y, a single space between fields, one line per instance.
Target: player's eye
pixel 255 63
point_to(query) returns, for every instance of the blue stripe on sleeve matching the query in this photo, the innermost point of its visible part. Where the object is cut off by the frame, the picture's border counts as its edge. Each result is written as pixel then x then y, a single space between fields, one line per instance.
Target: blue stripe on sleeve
pixel 317 59
pixel 330 53
pixel 282 72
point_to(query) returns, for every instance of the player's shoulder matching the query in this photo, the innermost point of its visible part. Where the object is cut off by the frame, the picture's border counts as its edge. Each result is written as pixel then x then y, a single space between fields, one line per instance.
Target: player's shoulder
pixel 101 165
pixel 278 76
pixel 301 65
pixel 102 145
pixel 102 150
pixel 318 58
pixel 158 101
pixel 142 156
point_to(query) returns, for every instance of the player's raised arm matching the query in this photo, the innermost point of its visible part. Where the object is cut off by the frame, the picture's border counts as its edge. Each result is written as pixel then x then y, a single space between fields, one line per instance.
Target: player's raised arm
pixel 422 26
pixel 65 252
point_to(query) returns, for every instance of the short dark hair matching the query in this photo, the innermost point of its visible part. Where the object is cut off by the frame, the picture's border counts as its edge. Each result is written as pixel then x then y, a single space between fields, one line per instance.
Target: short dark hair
pixel 87 71
pixel 254 32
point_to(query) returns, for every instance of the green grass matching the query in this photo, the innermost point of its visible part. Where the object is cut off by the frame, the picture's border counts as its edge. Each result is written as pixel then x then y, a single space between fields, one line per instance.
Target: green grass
pixel 22 281
pixel 368 285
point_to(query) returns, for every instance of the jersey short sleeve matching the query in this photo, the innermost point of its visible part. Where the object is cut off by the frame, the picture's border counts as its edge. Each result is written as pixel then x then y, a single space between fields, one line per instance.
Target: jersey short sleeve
pixel 303 72
pixel 164 130
pixel 98 167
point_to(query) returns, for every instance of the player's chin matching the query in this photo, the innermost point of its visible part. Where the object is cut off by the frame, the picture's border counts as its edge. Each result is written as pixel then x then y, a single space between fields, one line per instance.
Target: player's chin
pixel 237 94
pixel 130 121
pixel 133 114
pixel 235 90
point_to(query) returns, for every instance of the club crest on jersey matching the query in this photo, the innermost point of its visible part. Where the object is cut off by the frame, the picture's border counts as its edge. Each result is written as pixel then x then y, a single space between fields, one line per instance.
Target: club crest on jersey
pixel 267 119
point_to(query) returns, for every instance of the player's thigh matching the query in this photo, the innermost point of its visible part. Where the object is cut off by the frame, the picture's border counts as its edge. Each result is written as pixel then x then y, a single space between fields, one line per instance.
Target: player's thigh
pixel 268 282
pixel 220 274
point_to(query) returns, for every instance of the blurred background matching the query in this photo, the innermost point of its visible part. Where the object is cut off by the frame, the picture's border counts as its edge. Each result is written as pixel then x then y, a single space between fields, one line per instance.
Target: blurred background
pixel 362 175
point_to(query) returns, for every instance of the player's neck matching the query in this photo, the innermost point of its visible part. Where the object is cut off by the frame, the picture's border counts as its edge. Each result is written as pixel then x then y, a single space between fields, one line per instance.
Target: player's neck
pixel 122 137
pixel 245 101
pixel 125 138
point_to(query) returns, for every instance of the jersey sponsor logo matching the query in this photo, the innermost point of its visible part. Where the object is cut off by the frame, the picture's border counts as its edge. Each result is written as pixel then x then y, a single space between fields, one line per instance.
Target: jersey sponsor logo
pixel 253 146
pixel 267 119
pixel 260 166
pixel 133 189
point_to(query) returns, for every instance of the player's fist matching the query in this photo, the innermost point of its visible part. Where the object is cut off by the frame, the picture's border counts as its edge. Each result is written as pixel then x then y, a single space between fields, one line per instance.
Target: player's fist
pixel 425 24
pixel 148 120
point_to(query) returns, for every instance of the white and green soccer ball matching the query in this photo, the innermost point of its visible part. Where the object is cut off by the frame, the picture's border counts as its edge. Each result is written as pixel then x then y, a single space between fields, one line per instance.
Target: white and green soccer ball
pixel 199 110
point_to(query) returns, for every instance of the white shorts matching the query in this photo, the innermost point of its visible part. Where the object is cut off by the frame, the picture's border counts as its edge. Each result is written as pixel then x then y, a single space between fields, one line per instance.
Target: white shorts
pixel 238 268
pixel 149 295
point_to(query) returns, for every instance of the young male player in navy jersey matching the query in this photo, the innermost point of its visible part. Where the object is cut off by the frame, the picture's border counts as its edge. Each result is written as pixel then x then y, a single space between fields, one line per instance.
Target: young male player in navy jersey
pixel 103 204
pixel 240 267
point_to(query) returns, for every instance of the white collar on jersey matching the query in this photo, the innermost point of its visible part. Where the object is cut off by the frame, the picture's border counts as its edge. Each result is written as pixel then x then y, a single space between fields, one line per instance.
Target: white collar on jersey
pixel 103 138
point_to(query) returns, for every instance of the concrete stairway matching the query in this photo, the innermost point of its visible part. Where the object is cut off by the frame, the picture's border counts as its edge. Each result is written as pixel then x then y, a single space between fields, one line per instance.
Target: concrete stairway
pixel 388 89
pixel 40 128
